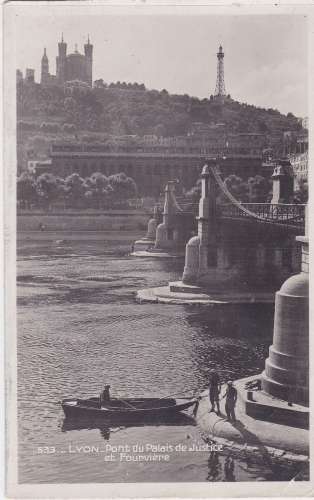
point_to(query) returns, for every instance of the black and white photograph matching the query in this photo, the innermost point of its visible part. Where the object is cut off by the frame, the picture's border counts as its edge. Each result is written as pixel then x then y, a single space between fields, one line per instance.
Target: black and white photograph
pixel 157 252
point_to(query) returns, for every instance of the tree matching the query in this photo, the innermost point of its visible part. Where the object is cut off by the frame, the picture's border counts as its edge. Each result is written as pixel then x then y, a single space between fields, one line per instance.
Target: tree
pixel 237 187
pixel 26 193
pixel 99 84
pixel 302 193
pixel 71 108
pixel 75 188
pixel 69 128
pixel 259 189
pixel 123 187
pixel 48 189
pixel 50 127
pixel 61 190
pixel 39 144
pixel 97 189
pixel 195 192
pixel 159 130
pixel 262 126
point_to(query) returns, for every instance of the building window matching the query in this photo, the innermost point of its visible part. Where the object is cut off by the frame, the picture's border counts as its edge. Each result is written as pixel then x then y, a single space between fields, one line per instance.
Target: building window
pixel 170 234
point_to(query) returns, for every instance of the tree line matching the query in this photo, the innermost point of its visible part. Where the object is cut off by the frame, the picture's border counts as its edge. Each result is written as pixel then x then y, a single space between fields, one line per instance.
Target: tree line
pixel 97 191
pixel 256 189
pixel 113 109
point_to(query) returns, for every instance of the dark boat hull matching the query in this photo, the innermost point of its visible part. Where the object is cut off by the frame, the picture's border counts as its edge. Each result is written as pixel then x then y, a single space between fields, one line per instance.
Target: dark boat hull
pixel 76 409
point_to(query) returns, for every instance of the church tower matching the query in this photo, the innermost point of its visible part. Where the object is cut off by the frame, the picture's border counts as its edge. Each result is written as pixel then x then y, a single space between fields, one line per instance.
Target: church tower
pixel 44 69
pixel 61 61
pixel 88 50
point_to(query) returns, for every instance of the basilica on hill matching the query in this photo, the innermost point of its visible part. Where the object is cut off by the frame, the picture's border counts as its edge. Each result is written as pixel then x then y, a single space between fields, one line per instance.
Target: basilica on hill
pixel 69 67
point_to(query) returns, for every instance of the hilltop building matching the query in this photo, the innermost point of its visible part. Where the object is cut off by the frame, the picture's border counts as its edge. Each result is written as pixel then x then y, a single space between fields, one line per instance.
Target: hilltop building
pixel 28 78
pixel 19 76
pixel 30 75
pixel 69 67
pixel 75 67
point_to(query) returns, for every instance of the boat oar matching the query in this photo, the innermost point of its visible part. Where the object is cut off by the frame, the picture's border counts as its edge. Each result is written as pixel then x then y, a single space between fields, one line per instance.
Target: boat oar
pixel 184 392
pixel 175 394
pixel 128 404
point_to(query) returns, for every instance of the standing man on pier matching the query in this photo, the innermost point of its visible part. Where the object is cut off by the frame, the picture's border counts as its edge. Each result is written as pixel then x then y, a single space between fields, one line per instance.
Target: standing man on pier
pixel 104 395
pixel 231 399
pixel 214 391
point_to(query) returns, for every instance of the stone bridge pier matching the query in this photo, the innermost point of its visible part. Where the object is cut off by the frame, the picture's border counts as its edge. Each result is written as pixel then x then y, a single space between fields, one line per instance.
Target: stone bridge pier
pixel 169 231
pixel 244 255
pixel 175 229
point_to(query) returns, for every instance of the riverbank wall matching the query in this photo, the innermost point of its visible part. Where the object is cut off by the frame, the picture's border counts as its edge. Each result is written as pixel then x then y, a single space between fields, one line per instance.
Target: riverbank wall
pixel 113 220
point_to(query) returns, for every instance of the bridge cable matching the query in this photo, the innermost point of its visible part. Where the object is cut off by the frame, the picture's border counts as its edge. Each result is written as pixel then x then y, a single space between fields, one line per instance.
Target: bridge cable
pixel 239 205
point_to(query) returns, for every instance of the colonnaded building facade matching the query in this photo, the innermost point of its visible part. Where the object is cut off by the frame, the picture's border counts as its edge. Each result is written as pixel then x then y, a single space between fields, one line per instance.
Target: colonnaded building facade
pixel 151 168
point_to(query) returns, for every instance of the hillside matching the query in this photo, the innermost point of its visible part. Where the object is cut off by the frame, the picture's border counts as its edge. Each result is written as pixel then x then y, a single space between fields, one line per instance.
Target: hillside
pixel 50 113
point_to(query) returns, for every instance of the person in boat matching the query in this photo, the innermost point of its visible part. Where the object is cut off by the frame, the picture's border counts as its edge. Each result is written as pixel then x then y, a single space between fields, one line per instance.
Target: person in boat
pixel 105 395
pixel 231 399
pixel 214 391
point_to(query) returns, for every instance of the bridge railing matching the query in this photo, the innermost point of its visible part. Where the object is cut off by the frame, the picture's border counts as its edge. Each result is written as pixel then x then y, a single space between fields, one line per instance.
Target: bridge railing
pixel 280 213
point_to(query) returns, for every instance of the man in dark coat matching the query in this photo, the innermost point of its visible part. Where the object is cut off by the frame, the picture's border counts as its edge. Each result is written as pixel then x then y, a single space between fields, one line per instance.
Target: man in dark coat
pixel 231 399
pixel 214 391
pixel 105 395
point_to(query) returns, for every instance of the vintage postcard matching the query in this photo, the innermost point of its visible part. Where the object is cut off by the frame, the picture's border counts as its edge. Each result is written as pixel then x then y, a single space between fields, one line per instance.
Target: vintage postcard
pixel 156 162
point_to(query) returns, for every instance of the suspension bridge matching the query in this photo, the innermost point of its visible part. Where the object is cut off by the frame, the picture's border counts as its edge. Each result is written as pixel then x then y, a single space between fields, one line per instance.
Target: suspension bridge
pixel 291 216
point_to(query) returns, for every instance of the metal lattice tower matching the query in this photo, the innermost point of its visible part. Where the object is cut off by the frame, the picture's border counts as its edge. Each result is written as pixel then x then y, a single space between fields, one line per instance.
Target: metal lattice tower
pixel 220 82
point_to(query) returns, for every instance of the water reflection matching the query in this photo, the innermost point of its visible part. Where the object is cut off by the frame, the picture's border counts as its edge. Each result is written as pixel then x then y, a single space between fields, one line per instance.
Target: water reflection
pixel 70 424
pixel 214 466
pixel 229 469
pixel 242 345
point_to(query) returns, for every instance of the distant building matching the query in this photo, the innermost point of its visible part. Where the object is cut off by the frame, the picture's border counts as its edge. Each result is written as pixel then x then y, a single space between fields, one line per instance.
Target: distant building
pixel 200 128
pixel 294 142
pixel 74 67
pixel 71 87
pixel 299 164
pixel 302 142
pixel 151 166
pixel 305 122
pixel 46 79
pixel 19 76
pixel 30 75
pixel 69 67
pixel 150 140
pixel 37 167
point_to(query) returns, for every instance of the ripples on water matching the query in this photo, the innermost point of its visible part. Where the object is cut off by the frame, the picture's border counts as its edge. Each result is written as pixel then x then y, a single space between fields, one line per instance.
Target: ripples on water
pixel 80 327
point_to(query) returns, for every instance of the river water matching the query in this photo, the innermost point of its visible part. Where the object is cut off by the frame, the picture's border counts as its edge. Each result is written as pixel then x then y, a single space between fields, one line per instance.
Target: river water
pixel 79 327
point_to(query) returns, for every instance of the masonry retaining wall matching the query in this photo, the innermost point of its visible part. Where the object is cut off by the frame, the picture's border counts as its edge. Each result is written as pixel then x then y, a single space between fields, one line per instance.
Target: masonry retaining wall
pixel 109 221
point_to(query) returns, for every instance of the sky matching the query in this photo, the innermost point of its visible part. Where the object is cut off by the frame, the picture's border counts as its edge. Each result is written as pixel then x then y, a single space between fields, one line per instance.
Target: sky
pixel 265 56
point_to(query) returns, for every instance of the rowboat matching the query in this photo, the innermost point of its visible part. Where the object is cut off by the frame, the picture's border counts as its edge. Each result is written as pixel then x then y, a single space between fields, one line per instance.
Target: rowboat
pixel 125 409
